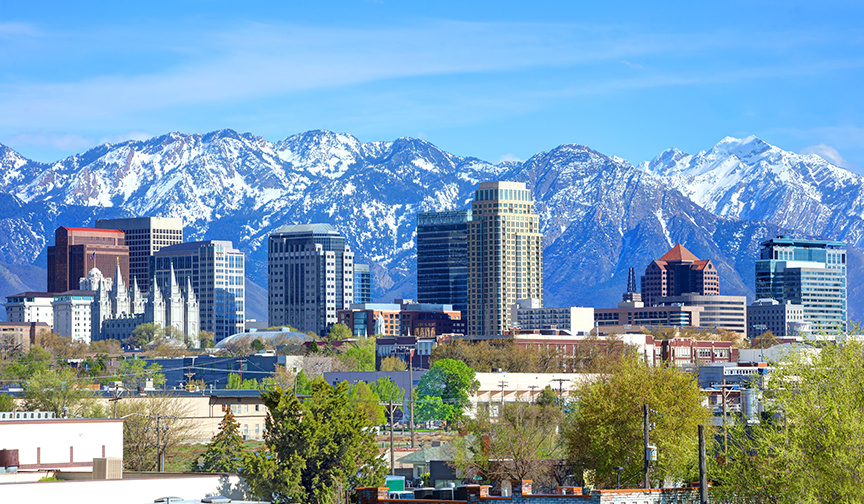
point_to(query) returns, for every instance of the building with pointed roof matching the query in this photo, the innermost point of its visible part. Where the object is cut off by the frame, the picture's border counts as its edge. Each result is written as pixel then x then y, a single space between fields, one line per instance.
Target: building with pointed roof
pixel 679 272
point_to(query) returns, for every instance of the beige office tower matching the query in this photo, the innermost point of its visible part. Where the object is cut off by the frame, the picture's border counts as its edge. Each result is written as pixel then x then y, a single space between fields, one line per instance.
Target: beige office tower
pixel 505 255
pixel 144 237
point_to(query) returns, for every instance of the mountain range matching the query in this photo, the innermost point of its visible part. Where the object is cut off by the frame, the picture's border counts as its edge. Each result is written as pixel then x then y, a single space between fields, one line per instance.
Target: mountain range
pixel 600 214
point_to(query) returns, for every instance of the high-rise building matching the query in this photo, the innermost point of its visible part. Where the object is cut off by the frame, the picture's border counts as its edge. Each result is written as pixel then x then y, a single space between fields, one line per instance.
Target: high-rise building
pixel 679 272
pixel 215 271
pixel 809 273
pixel 78 250
pixel 144 237
pixel 362 284
pixel 310 271
pixel 442 258
pixel 718 312
pixel 505 255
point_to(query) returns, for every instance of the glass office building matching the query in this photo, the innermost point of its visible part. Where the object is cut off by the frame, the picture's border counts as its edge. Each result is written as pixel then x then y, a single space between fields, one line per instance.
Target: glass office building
pixel 362 284
pixel 442 258
pixel 809 273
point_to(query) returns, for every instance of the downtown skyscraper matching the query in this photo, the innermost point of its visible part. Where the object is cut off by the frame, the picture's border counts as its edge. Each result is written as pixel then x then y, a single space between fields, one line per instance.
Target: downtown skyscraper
pixel 310 276
pixel 505 255
pixel 442 258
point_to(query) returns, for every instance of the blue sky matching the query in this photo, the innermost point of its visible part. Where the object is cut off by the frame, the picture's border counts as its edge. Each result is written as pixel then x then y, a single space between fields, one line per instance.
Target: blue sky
pixel 496 80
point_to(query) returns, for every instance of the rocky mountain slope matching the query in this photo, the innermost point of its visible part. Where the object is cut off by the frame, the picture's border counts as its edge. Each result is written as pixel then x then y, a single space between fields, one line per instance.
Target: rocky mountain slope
pixel 600 215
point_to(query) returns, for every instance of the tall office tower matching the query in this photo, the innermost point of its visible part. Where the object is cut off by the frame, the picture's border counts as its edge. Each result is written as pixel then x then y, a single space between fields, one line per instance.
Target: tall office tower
pixel 78 250
pixel 362 284
pixel 808 273
pixel 310 273
pixel 215 271
pixel 144 237
pixel 505 255
pixel 442 258
pixel 679 272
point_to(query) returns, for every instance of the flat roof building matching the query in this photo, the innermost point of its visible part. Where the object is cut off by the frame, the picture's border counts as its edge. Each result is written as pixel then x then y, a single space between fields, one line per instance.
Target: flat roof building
pixel 78 250
pixel 442 258
pixel 721 312
pixel 145 236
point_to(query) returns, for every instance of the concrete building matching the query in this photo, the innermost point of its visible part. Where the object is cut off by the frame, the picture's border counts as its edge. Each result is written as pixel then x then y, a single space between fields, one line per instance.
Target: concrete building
pixel 30 307
pixel 310 272
pixel 679 272
pixel 505 255
pixel 17 336
pixel 402 348
pixel 633 316
pixel 403 318
pixel 214 271
pixel 722 312
pixel 145 236
pixel 809 273
pixel 362 284
pixel 526 314
pixel 442 258
pixel 784 320
pixel 78 250
pixel 72 314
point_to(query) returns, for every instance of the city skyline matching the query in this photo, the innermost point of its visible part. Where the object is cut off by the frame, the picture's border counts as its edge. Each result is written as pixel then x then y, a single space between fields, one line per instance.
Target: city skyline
pixel 498 83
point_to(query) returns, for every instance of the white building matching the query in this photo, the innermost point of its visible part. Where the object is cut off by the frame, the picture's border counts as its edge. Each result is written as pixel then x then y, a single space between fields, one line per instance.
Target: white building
pixel 496 388
pixel 72 314
pixel 527 314
pixel 30 307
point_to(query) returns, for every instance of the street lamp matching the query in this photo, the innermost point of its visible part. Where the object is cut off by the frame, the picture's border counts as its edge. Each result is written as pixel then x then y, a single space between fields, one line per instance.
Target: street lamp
pixel 618 470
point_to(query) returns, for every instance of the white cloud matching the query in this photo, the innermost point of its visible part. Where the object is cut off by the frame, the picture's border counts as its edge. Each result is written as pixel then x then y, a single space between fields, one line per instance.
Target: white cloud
pixel 509 158
pixel 55 141
pixel 827 153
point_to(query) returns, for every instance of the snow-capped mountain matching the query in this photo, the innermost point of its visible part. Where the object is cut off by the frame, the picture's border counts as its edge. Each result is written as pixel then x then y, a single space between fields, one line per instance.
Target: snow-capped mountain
pixel 599 214
pixel 750 179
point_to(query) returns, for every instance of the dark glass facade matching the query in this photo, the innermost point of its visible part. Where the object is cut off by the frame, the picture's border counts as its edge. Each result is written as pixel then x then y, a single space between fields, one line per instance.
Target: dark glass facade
pixel 442 258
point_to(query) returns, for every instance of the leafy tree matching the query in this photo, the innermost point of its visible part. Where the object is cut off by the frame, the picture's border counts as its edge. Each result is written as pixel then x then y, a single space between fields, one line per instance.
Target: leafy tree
pixel 810 445
pixel 281 377
pixel 144 333
pixel 206 339
pixel 451 381
pixel 225 451
pixel 136 372
pixel 606 426
pixel 547 397
pixel 35 360
pixel 339 332
pixel 387 389
pixel 522 442
pixel 393 363
pixel 304 384
pixel 364 399
pixel 360 355
pixel 55 389
pixel 257 345
pixel 313 448
pixel 61 347
pixel 7 403
pixel 764 340
pixel 235 382
pixel 142 417
pixel 106 346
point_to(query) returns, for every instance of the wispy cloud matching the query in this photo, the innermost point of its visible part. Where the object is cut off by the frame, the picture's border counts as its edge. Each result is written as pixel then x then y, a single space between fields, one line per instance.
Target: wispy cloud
pixel 827 153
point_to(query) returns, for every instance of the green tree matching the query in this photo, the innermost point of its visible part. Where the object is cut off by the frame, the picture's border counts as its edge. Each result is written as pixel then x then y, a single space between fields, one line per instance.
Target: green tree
pixel 142 441
pixel 206 339
pixel 451 381
pixel 547 397
pixel 365 399
pixel 7 403
pixel 313 448
pixel 393 363
pixel 136 372
pixel 145 333
pixel 225 451
pixel 339 332
pixel 55 389
pixel 235 382
pixel 360 355
pixel 35 360
pixel 521 442
pixel 606 426
pixel 810 447
pixel 387 389
pixel 304 384
pixel 257 345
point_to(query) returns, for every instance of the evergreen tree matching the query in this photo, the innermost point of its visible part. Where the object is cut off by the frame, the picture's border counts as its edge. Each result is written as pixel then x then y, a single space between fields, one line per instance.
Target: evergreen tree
pixel 313 448
pixel 224 452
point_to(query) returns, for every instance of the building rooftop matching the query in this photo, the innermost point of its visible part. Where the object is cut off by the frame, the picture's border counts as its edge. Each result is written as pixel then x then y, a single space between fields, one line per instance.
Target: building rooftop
pixel 306 228
pixel 32 294
pixel 793 242
pixel 189 247
pixel 679 253
pixel 92 230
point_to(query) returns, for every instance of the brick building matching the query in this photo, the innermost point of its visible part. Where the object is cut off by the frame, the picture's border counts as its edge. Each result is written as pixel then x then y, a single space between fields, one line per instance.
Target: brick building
pixel 78 250
pixel 679 272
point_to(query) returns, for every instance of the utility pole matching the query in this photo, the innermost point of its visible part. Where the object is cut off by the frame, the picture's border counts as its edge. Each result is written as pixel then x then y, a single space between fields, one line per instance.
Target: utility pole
pixel 533 388
pixel 390 409
pixel 647 427
pixel 502 383
pixel 411 387
pixel 560 389
pixel 703 468
pixel 726 390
